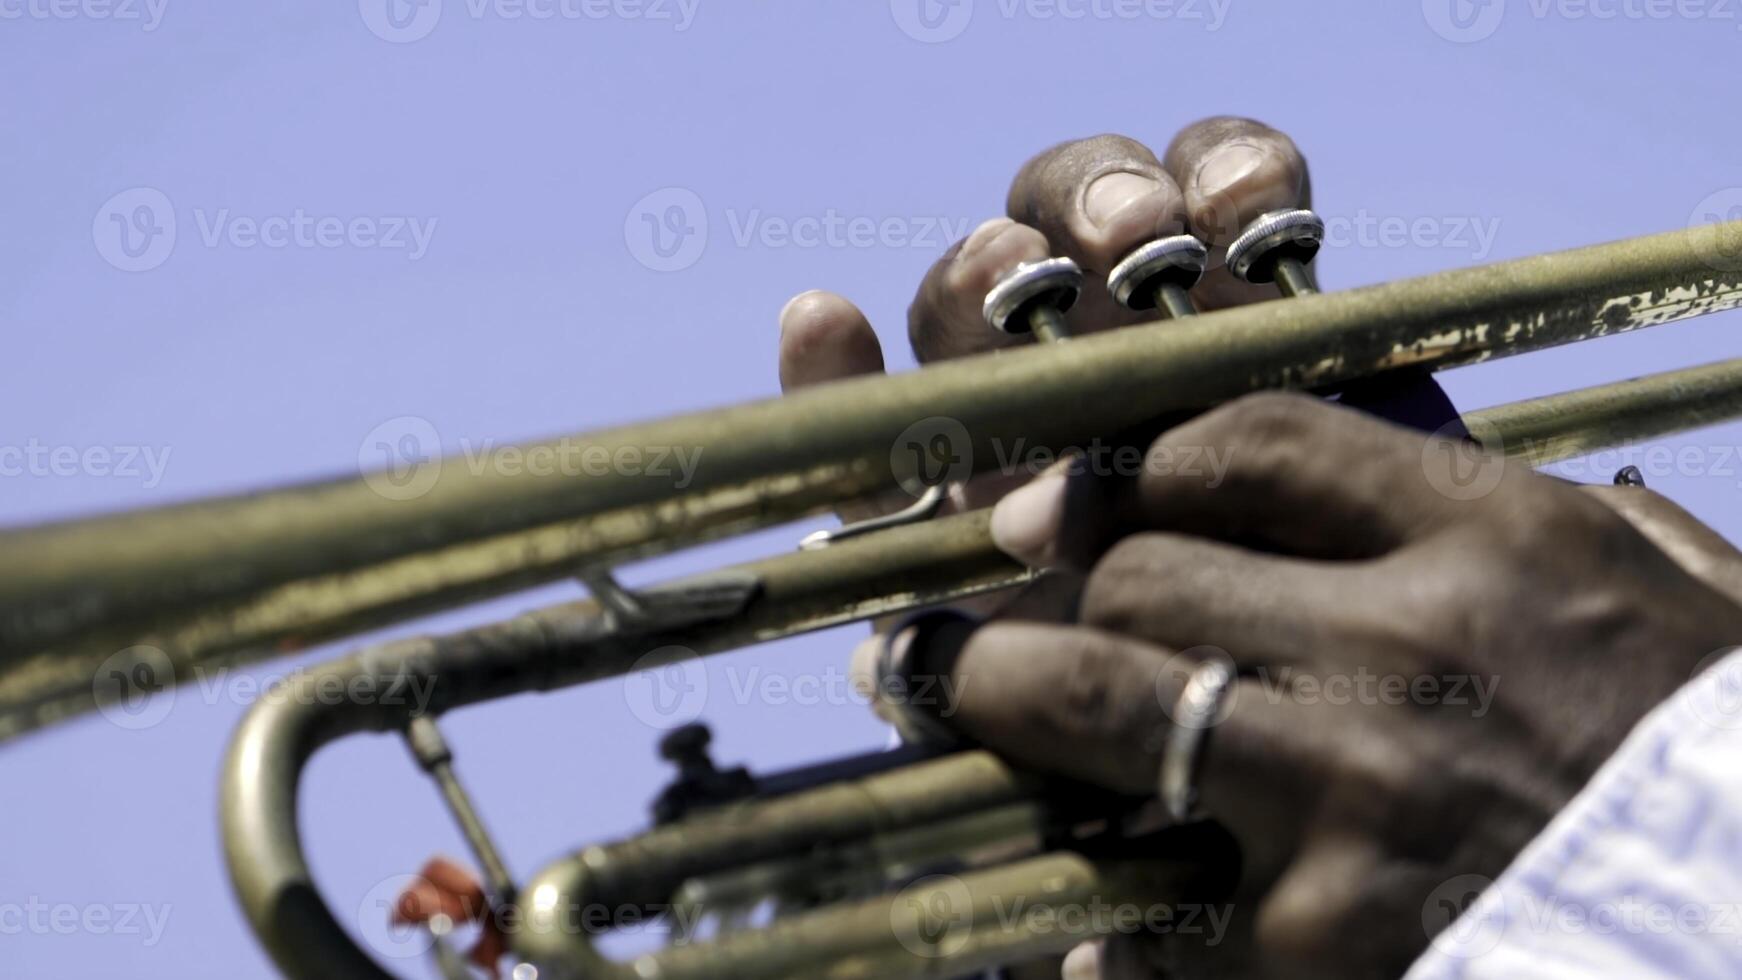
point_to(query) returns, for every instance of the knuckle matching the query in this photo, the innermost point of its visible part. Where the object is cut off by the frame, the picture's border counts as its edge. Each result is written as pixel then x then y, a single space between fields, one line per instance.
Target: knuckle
pixel 1266 430
pixel 1110 596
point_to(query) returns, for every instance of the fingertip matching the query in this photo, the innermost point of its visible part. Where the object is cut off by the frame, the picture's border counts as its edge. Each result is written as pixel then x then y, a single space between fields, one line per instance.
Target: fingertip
pixel 988 255
pixel 824 337
pixel 1083 962
pixel 1121 210
pixel 1026 524
pixel 1231 171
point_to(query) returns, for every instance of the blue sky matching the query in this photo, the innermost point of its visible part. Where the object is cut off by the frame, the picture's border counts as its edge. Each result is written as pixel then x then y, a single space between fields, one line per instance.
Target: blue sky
pixel 515 218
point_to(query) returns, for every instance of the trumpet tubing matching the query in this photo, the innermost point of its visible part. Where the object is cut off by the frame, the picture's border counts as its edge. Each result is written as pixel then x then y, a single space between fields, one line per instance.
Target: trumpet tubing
pixel 242 578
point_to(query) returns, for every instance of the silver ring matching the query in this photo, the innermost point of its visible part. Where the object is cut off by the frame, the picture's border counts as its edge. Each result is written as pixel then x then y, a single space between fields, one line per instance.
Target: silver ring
pixel 1199 705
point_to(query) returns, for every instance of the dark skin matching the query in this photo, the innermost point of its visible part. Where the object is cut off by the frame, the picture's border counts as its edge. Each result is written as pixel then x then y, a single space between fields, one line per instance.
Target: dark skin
pixel 1326 549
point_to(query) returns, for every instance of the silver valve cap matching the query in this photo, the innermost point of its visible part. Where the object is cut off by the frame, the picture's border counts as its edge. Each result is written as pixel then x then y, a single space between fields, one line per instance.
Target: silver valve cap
pixel 1055 282
pixel 1178 259
pixel 1294 234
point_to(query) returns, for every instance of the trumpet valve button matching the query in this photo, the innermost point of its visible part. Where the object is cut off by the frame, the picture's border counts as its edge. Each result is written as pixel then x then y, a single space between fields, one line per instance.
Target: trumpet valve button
pixel 1055 282
pixel 1178 260
pixel 1293 234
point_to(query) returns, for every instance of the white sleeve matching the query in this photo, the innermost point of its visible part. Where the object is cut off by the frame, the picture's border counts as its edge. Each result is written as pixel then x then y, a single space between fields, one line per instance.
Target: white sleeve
pixel 1640 876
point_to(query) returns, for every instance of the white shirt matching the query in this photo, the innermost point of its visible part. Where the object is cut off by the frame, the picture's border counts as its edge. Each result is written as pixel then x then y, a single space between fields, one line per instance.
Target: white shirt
pixel 1640 876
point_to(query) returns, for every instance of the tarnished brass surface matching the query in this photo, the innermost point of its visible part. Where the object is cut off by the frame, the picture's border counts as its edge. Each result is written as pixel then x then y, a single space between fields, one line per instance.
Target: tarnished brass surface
pixel 890 571
pixel 1557 427
pixel 247 577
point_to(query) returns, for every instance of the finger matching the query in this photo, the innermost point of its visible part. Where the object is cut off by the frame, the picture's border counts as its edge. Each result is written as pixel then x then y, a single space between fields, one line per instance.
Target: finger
pixel 1698 549
pixel 1026 521
pixel 1183 592
pixel 823 337
pixel 1096 199
pixel 1083 962
pixel 945 319
pixel 443 887
pixel 1271 471
pixel 1313 916
pixel 1063 699
pixel 1231 170
pixel 1286 472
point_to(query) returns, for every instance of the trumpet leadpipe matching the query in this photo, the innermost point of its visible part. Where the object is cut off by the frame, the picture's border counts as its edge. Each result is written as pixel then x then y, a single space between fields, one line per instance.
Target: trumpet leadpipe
pixel 283 567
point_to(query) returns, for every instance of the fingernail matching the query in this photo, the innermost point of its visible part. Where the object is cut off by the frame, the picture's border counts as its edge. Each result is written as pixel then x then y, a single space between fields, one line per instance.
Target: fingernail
pixel 984 235
pixel 1026 524
pixel 862 673
pixel 1221 170
pixel 1112 193
pixel 1083 962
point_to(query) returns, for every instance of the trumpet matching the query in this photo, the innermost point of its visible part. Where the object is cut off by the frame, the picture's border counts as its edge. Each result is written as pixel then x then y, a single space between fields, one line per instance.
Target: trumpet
pixel 844 852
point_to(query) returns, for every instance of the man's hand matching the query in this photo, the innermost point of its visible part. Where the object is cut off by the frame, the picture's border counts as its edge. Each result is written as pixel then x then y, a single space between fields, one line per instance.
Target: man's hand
pixel 1092 200
pixel 1424 679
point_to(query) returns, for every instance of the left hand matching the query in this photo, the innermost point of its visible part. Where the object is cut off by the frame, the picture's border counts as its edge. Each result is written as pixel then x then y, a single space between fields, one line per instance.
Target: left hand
pixel 1424 680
